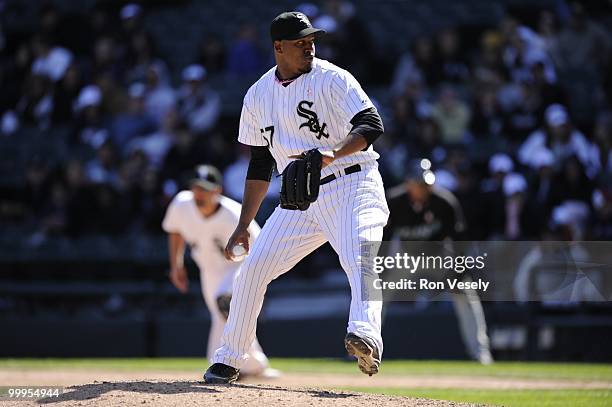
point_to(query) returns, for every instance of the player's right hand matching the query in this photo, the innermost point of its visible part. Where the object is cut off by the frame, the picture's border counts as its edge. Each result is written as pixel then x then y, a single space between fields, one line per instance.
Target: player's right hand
pixel 240 236
pixel 178 277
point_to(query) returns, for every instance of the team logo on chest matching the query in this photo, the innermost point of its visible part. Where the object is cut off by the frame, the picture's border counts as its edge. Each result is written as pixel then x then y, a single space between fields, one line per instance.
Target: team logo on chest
pixel 312 119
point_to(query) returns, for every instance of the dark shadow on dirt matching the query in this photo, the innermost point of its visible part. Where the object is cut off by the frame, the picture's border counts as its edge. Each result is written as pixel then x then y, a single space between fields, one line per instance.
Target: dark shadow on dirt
pixel 95 390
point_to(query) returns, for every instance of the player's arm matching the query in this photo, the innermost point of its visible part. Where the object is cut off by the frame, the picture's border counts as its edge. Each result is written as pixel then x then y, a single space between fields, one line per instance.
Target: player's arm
pixel 176 252
pixel 367 127
pixel 256 186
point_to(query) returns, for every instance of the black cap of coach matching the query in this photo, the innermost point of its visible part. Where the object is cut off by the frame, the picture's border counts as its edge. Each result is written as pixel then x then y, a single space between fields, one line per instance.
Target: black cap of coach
pixel 206 177
pixel 292 25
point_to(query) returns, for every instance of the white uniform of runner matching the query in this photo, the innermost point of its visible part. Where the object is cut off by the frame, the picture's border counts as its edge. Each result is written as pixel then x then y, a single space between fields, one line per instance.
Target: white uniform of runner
pixel 207 237
pixel 313 111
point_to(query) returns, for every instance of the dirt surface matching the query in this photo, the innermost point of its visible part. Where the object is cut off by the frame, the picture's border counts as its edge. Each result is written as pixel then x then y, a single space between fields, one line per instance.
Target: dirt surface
pixel 184 393
pixel 114 388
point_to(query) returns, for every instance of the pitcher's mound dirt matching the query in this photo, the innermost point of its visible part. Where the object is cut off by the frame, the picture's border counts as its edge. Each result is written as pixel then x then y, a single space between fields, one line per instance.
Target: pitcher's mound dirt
pixel 192 393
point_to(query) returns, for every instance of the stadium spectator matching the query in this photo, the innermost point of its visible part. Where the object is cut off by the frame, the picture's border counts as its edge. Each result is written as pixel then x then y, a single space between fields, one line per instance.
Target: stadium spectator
pixel 488 65
pixel 108 215
pixel 602 216
pixel 65 95
pixel 449 64
pixel 106 59
pixel 79 197
pixel 159 96
pixel 156 145
pixel 452 115
pixel 114 96
pixel 582 44
pixel 515 188
pixel 572 183
pixel 550 92
pixel 244 55
pixel 134 122
pixel 149 204
pixel 428 139
pixel 523 117
pixel 352 41
pixel 91 125
pixel 14 69
pixel 602 135
pixel 131 19
pixel 492 196
pixel 212 54
pixel 50 61
pixel 413 66
pixel 104 168
pixel 581 52
pixel 36 105
pixel 524 49
pixel 560 137
pixel 547 272
pixel 487 119
pixel 36 191
pixel 182 156
pixel 141 54
pixel 54 214
pixel 199 105
pixel 408 106
pixel 540 195
pixel 548 28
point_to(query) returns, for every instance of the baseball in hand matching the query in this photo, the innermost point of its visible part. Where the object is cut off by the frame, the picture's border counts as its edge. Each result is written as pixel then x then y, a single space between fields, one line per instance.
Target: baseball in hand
pixel 238 253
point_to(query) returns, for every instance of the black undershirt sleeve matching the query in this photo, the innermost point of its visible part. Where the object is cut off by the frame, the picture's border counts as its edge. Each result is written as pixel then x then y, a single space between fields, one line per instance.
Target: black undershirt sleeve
pixel 368 124
pixel 261 164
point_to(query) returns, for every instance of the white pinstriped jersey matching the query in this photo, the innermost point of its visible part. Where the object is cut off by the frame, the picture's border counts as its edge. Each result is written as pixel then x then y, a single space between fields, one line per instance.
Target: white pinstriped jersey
pixel 207 237
pixel 313 111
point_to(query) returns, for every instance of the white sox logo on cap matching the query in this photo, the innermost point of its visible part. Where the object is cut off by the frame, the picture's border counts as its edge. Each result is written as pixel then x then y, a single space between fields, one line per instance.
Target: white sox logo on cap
pixel 303 18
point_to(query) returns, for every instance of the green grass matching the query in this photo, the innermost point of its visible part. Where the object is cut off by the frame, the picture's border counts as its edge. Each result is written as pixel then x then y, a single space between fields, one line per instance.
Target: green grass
pixel 525 370
pixel 522 370
pixel 510 398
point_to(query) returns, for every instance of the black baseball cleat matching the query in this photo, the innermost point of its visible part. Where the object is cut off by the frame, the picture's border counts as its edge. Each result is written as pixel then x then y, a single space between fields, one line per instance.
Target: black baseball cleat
pixel 218 373
pixel 366 352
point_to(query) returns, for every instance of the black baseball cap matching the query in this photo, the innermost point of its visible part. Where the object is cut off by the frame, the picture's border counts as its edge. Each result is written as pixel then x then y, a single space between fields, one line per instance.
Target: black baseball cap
pixel 206 177
pixel 292 25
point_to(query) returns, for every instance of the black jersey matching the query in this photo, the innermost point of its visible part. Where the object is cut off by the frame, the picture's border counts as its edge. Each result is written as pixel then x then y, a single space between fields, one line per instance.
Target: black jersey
pixel 438 218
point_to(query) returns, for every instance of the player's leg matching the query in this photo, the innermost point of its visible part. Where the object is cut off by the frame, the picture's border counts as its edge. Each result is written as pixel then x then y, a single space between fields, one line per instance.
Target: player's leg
pixel 257 362
pixel 472 325
pixel 286 238
pixel 360 220
pixel 210 281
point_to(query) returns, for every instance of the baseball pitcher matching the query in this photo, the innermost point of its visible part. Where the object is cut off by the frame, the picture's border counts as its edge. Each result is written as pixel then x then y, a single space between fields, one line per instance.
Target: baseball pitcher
pixel 313 121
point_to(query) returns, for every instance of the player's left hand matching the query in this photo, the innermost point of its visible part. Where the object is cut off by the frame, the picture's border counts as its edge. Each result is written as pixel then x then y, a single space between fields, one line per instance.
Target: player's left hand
pixel 178 277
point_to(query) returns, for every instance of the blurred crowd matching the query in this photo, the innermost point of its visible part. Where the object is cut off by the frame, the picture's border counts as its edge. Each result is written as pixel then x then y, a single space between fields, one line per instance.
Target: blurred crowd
pixel 518 125
pixel 536 101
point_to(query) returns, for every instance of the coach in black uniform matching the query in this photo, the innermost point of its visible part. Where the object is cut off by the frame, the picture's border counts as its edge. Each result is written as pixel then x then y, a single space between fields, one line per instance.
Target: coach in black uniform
pixel 423 211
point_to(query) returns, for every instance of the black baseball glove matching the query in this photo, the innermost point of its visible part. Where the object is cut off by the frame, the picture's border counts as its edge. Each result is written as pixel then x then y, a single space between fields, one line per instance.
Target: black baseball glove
pixel 300 181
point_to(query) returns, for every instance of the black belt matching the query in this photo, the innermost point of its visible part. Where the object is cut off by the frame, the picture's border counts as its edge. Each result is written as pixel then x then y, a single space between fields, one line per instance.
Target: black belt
pixel 348 170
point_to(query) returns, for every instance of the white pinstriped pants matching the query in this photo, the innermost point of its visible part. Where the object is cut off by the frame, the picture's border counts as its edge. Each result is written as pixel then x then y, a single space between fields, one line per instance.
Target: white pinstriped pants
pixel 349 211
